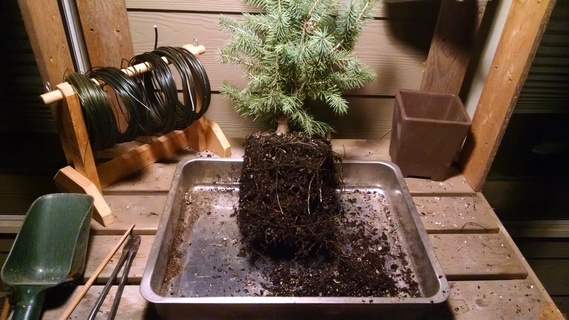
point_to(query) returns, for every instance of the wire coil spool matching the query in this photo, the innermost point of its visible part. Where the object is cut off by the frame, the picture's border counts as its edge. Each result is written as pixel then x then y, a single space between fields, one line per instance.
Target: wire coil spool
pixel 99 118
pixel 160 91
pixel 196 87
pixel 127 106
pixel 128 99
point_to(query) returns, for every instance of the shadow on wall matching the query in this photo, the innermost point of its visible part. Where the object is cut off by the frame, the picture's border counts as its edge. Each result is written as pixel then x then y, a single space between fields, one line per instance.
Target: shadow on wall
pixel 419 35
pixel 416 35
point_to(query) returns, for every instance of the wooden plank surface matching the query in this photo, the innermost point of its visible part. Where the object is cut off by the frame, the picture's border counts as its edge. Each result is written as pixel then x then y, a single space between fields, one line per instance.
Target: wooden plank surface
pixel 99 247
pixel 473 299
pixel 469 300
pixel 441 214
pixel 477 256
pixel 466 214
pixel 521 36
pixel 489 300
pixel 11 224
pixel 141 209
pixel 132 305
pixel 492 279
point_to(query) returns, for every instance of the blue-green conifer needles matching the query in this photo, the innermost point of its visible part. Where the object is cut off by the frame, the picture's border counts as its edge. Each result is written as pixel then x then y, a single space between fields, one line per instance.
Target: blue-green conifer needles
pixel 297 56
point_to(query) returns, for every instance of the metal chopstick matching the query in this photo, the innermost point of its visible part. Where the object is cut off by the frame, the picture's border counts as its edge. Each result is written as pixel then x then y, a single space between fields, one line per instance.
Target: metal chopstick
pixel 125 254
pixel 131 253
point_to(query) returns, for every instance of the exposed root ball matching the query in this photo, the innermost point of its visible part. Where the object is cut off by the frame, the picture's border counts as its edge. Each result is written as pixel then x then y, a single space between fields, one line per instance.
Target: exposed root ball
pixel 287 199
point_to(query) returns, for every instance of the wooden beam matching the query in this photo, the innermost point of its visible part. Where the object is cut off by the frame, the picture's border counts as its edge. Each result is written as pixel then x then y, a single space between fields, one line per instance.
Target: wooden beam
pixel 77 146
pixel 69 180
pixel 520 39
pixel 452 45
pixel 213 139
pixel 47 38
pixel 106 31
pixel 200 135
pixel 49 43
pixel 140 157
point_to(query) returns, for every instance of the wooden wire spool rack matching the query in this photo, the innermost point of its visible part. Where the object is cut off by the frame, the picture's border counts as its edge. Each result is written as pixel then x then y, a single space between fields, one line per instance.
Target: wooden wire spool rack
pixel 84 175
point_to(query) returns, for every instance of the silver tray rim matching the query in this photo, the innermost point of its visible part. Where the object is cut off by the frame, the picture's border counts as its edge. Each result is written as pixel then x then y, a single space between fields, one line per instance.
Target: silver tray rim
pixel 153 297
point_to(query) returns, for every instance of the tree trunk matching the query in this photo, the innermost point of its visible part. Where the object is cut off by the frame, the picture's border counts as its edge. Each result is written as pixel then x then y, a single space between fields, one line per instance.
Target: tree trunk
pixel 282 127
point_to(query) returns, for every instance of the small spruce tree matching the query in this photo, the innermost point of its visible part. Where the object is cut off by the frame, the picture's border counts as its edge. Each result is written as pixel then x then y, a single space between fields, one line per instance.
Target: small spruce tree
pixel 297 56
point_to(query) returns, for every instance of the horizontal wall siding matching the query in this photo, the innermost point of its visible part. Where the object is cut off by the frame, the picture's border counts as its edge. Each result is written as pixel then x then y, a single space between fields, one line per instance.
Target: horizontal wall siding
pixel 21 109
pixel 397 66
pixel 368 118
pixel 385 9
pixel 395 44
pixel 546 89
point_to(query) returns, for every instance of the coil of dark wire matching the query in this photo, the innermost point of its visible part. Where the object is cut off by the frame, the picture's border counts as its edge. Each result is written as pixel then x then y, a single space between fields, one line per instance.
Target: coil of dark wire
pixel 127 106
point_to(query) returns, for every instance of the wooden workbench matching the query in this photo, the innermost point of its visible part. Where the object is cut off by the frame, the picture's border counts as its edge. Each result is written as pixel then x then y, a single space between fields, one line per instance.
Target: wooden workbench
pixel 489 277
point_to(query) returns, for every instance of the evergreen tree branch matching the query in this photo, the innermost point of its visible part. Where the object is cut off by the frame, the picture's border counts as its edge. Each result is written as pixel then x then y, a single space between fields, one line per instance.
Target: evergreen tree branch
pixel 298 54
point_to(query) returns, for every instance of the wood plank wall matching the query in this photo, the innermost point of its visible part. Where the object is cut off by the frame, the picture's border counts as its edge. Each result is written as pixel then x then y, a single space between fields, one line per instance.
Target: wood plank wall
pixel 395 44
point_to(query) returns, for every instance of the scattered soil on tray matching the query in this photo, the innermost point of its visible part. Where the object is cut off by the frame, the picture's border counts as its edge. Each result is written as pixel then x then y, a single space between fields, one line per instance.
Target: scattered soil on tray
pixel 301 236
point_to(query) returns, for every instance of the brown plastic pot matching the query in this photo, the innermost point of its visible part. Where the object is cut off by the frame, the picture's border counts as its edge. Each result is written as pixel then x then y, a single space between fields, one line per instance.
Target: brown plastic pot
pixel 427 133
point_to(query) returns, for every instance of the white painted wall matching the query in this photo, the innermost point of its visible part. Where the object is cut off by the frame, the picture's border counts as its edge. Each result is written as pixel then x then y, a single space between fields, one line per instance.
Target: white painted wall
pixel 496 28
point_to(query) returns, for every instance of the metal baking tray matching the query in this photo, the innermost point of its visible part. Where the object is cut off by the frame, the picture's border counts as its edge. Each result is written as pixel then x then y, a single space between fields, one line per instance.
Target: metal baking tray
pixel 196 267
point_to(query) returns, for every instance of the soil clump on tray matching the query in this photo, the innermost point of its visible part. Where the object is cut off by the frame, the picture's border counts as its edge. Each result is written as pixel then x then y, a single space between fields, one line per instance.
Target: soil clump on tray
pixel 305 239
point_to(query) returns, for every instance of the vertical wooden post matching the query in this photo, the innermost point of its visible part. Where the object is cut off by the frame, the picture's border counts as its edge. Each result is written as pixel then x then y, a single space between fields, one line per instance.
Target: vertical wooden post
pixel 215 140
pixel 520 39
pixel 47 38
pixel 78 148
pixel 106 32
pixel 452 44
pixel 49 44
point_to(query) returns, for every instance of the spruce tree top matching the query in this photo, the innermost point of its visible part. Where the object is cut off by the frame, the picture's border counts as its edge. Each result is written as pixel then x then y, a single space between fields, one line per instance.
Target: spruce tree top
pixel 297 56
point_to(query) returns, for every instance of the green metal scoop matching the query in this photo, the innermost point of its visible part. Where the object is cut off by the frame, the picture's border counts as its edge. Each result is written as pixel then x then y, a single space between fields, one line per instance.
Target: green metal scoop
pixel 49 249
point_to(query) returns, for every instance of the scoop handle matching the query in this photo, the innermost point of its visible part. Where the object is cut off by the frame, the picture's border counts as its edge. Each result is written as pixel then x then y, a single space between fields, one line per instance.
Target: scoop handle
pixel 29 304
